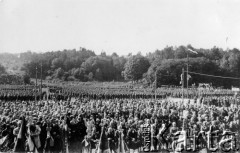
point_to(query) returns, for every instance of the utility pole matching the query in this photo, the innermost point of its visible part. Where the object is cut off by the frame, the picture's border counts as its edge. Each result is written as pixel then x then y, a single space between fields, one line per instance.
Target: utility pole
pixel 187 73
pixel 182 81
pixel 41 82
pixel 156 85
pixel 188 77
pixel 36 86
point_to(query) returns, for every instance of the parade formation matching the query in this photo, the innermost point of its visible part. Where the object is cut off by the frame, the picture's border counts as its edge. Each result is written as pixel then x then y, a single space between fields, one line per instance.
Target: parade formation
pixel 94 120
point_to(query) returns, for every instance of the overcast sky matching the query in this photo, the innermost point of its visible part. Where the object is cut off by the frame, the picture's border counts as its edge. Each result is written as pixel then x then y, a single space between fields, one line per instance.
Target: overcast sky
pixel 120 26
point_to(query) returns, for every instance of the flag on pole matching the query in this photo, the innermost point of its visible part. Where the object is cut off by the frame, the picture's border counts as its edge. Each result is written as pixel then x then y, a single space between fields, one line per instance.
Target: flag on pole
pixel 122 146
pixel 21 139
pixel 103 143
pixel 189 77
pixel 192 51
pixel 2 140
pixel 66 130
pixel 181 78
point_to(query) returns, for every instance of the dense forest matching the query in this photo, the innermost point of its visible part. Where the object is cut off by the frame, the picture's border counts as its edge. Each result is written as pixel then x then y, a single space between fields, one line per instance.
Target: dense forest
pixel 166 64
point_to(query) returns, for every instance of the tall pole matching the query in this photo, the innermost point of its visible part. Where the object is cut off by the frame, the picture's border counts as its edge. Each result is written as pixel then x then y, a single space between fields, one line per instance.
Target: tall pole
pixel 187 73
pixel 36 86
pixel 156 85
pixel 227 44
pixel 182 81
pixel 132 90
pixel 41 82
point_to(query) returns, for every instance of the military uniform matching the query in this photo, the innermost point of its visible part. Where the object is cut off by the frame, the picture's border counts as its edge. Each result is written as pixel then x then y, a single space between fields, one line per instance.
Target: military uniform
pixel 133 140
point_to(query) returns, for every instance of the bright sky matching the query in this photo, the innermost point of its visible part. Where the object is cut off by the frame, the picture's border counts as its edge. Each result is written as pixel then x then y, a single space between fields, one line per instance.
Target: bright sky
pixel 120 26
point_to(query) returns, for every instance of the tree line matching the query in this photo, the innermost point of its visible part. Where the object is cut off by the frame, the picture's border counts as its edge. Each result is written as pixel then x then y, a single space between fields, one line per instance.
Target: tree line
pixel 13 79
pixel 165 65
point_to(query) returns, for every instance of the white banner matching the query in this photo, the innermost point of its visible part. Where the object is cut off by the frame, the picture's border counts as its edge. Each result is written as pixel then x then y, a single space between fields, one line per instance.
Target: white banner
pixel 235 89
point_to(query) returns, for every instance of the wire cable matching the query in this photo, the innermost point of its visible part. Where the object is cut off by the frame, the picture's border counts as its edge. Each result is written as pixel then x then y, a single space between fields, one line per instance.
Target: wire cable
pixel 213 75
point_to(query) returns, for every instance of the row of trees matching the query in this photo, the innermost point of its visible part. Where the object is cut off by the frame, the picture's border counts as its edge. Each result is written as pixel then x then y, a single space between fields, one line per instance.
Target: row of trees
pixel 69 65
pixel 166 64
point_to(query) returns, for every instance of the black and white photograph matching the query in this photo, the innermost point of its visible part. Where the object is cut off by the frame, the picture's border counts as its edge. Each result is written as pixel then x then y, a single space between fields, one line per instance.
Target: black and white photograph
pixel 119 76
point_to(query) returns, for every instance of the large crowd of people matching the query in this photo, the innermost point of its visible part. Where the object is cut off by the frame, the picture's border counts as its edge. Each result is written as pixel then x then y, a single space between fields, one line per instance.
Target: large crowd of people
pixel 85 124
pixel 30 92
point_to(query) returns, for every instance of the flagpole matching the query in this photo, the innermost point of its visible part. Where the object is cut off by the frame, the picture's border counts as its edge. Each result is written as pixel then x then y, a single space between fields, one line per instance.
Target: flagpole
pixel 182 81
pixel 187 73
pixel 155 85
pixel 36 86
pixel 227 44
pixel 41 82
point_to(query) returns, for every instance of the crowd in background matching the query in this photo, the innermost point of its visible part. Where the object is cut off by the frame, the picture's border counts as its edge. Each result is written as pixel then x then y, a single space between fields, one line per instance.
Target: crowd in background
pixel 30 92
